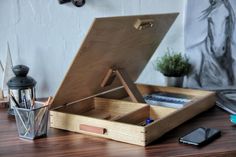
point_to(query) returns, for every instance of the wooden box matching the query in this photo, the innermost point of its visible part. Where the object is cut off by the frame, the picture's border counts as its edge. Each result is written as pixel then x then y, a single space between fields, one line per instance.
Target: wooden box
pixel 98 96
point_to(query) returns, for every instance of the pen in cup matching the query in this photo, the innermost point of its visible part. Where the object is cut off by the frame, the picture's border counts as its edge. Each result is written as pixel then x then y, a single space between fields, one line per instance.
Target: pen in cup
pixel 32 103
pixel 25 102
pixel 14 100
pixel 48 101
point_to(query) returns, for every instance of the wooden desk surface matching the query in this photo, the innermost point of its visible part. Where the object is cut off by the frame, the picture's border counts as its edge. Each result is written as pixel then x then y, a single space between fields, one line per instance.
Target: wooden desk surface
pixel 62 143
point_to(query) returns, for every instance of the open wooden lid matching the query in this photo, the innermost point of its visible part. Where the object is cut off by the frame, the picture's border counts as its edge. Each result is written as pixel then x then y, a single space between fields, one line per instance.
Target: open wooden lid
pixel 125 42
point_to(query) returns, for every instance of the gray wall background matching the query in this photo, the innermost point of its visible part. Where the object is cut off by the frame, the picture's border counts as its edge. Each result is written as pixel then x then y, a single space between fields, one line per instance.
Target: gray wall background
pixel 46 36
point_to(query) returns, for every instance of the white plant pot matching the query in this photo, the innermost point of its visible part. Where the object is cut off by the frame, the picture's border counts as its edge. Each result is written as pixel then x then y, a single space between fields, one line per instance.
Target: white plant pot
pixel 174 81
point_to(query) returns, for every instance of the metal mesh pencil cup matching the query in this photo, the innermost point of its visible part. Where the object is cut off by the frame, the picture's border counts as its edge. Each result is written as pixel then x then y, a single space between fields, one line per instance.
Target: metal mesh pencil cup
pixel 32 123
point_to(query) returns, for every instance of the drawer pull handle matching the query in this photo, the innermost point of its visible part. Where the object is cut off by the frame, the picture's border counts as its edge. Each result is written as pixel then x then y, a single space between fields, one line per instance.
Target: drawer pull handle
pixel 92 129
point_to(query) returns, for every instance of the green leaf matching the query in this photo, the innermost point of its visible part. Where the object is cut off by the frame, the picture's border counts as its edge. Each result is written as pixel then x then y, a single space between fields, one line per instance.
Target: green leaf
pixel 173 64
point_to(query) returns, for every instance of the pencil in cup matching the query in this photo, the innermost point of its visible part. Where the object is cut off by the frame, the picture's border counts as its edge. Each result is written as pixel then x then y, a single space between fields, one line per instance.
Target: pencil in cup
pixel 14 100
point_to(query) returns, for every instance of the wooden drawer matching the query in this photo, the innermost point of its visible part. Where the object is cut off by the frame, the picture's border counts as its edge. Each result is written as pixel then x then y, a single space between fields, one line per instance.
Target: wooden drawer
pixel 123 120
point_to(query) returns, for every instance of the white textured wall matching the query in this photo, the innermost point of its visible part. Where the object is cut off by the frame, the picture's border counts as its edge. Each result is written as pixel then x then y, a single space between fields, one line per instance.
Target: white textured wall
pixel 46 36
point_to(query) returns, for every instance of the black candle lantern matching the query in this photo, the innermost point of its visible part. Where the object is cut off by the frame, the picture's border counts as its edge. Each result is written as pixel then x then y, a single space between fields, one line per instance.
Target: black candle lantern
pixel 22 87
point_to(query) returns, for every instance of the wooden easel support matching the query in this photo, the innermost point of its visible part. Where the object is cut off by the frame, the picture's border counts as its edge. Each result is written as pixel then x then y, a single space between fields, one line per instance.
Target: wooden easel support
pixel 128 84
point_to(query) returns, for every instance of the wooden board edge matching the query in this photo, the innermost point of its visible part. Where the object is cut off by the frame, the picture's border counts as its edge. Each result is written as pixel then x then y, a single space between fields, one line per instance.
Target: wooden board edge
pixel 186 91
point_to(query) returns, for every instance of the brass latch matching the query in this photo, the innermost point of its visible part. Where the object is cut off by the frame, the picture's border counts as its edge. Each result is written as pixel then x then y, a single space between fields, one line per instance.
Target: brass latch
pixel 142 24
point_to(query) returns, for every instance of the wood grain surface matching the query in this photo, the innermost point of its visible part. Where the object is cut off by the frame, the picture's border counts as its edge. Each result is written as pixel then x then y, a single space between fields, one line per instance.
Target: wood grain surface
pixel 111 42
pixel 62 143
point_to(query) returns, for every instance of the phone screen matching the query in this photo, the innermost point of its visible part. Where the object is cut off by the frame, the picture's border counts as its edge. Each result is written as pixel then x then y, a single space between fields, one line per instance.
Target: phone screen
pixel 200 136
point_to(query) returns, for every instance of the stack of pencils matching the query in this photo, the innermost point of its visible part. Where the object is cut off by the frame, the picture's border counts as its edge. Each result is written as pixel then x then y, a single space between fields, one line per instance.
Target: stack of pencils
pixel 28 104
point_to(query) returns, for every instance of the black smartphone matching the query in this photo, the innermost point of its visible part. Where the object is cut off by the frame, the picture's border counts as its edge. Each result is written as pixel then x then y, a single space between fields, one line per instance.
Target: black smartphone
pixel 200 136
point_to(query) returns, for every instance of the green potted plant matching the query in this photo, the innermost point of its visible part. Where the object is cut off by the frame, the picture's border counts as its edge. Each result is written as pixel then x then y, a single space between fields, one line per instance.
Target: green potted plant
pixel 174 67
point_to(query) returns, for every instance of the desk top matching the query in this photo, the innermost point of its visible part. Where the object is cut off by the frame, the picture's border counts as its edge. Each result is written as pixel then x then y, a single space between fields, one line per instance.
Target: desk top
pixel 63 143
